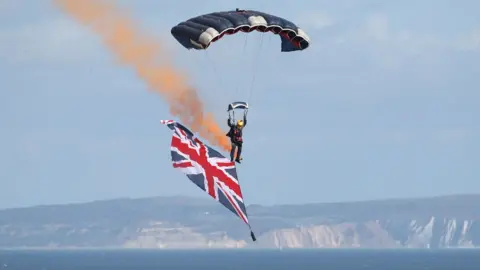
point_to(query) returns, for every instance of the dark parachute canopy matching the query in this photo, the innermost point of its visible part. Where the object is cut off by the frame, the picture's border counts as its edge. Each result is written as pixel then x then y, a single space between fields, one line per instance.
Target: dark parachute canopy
pixel 199 32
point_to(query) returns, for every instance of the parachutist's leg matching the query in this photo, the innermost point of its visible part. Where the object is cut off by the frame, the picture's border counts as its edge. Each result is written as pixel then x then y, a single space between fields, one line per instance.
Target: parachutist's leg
pixel 232 152
pixel 239 151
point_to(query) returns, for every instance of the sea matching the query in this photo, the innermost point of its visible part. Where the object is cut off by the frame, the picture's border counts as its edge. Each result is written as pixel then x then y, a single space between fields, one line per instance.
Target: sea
pixel 285 259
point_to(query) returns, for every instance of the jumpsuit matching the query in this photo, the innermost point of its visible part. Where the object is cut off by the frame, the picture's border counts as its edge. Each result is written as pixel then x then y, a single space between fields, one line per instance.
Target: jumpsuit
pixel 236 138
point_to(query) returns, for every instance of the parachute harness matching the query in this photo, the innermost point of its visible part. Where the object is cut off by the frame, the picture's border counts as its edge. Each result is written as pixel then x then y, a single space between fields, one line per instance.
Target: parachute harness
pixel 231 114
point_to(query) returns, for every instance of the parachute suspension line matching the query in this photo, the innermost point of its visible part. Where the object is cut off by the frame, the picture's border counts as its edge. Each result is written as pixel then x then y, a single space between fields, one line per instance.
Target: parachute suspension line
pixel 254 68
pixel 232 116
pixel 237 90
pixel 212 63
pixel 268 59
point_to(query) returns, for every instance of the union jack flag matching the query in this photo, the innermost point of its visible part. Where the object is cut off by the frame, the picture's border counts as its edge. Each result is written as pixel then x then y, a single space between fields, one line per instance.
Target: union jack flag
pixel 208 169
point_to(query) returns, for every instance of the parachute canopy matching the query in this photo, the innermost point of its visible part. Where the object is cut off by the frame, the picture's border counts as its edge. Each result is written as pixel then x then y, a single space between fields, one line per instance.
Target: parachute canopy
pixel 237 105
pixel 199 32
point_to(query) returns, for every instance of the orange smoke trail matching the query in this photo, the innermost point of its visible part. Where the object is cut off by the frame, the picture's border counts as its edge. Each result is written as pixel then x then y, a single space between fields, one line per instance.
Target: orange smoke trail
pixel 140 51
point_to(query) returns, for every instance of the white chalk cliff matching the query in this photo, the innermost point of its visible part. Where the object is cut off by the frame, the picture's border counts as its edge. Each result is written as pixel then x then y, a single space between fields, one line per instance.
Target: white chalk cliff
pixel 181 222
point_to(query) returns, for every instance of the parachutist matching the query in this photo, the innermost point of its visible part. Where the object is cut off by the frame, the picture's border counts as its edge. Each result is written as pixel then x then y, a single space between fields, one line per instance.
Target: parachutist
pixel 236 137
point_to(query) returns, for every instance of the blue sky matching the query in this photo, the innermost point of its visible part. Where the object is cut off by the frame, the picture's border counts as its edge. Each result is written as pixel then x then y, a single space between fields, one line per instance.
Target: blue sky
pixel 383 104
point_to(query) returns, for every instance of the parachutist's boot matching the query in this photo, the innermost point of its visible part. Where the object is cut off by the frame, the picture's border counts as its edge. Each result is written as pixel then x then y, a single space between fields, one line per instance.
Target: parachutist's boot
pixel 238 159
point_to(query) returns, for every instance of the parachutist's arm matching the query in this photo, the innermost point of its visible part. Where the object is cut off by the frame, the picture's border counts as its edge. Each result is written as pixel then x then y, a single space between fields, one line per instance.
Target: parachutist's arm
pixel 229 122
pixel 245 119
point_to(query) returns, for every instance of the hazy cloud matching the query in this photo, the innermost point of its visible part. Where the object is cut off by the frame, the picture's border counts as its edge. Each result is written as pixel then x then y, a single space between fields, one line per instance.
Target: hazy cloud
pixel 471 42
pixel 314 20
pixel 56 40
pixel 376 30
pixel 453 135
